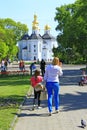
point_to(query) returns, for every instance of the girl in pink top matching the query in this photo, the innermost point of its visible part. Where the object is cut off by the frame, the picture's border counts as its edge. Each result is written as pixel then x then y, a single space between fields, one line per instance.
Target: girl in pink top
pixel 34 81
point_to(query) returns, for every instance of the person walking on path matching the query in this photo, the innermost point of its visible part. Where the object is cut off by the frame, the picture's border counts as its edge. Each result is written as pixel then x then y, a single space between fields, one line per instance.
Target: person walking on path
pixel 51 76
pixel 42 66
pixel 32 68
pixel 35 80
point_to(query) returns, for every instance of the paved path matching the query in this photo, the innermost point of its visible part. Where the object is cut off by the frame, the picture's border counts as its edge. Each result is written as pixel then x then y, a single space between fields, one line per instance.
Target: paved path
pixel 73 107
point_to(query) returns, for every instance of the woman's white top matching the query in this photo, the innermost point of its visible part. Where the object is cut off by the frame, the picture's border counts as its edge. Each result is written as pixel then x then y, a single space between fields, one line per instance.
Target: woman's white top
pixel 52 73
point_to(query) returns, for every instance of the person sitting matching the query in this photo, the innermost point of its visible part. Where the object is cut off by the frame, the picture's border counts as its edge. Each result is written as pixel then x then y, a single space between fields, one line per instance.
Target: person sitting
pixel 83 79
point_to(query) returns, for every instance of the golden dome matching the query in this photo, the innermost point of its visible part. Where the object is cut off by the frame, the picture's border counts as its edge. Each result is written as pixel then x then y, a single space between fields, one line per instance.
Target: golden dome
pixel 47 27
pixel 35 23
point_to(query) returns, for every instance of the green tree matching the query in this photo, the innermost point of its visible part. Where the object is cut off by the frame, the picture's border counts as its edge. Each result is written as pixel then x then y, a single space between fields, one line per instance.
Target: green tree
pixel 10 33
pixel 3 50
pixel 72 27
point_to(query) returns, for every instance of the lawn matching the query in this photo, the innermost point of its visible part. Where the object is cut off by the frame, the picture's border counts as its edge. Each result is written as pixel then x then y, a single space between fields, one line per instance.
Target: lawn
pixel 12 92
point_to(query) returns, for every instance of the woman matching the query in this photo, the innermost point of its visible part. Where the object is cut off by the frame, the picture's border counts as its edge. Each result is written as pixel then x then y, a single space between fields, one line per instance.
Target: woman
pixel 52 73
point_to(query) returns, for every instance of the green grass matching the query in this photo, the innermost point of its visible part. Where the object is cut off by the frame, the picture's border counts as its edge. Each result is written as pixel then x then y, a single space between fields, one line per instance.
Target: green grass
pixel 12 92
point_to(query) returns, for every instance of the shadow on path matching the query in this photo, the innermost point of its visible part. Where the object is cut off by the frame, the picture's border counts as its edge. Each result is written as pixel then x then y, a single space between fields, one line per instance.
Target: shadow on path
pixel 70 77
pixel 73 102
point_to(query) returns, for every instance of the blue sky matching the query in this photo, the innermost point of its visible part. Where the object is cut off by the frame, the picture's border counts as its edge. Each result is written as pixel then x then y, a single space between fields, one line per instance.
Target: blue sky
pixel 24 10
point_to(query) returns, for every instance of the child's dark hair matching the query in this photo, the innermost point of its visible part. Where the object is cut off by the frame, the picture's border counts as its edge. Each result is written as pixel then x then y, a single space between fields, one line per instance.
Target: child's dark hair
pixel 37 73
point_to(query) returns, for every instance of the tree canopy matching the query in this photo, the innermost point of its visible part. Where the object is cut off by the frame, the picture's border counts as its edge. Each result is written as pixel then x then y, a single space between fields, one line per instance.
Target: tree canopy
pixel 10 33
pixel 72 32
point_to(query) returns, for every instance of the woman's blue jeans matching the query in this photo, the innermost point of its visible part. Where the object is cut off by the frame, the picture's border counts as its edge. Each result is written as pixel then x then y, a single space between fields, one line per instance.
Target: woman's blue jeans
pixel 53 89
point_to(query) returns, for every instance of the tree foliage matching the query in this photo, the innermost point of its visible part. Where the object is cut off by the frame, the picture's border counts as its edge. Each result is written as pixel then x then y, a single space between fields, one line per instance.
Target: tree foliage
pixel 10 33
pixel 72 28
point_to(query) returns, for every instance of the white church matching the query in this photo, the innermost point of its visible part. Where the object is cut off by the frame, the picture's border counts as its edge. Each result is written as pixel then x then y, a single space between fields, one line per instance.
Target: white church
pixel 37 47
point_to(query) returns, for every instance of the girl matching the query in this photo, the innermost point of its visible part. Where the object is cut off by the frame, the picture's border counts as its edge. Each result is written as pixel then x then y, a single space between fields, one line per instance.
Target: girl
pixel 35 80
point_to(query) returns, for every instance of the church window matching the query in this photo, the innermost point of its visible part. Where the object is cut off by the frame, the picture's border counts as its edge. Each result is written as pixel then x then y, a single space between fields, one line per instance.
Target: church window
pixel 34 46
pixel 34 50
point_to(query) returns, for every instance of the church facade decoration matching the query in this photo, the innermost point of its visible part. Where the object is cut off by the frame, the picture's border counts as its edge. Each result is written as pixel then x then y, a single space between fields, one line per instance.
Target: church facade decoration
pixel 37 47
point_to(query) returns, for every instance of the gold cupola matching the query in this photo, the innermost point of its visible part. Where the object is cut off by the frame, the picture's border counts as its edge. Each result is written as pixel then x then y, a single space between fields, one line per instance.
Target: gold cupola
pixel 47 27
pixel 35 23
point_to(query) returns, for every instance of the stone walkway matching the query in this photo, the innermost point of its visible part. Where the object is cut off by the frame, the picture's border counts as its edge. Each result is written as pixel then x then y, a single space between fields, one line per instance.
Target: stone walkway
pixel 73 107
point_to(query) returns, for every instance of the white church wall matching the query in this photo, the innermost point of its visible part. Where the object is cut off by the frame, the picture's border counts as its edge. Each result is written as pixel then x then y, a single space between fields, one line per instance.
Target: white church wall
pixel 48 48
pixel 54 44
pixel 24 54
pixel 39 56
pixel 44 54
pixel 36 49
